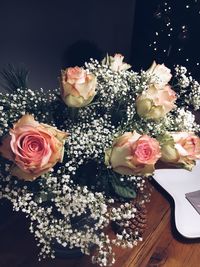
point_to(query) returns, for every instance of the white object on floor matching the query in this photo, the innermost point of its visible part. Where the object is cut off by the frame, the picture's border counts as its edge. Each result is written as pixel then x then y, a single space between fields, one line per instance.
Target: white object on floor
pixel 178 182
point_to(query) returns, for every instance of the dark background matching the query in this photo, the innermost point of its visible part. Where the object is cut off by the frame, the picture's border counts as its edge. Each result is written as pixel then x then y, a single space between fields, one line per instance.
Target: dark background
pixel 49 35
pixel 181 47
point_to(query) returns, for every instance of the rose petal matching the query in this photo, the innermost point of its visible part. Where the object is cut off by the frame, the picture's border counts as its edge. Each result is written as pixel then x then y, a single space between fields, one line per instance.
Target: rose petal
pixel 27 176
pixel 27 119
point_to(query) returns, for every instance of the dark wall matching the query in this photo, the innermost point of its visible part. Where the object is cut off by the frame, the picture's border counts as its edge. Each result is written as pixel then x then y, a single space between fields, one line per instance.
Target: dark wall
pixel 47 35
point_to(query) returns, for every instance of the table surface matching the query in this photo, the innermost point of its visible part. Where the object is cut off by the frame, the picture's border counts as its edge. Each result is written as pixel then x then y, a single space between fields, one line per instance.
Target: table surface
pixel 162 245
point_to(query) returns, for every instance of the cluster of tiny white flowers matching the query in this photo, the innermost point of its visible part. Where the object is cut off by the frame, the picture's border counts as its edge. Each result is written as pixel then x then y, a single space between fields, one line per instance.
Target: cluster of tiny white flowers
pixel 188 120
pixel 89 140
pixel 180 70
pixel 181 74
pixel 122 87
pixel 188 89
pixel 194 96
pixel 184 81
pixel 183 120
pixel 13 106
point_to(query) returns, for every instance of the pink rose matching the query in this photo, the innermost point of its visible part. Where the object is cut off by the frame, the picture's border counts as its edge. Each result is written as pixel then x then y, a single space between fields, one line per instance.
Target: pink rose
pixel 77 87
pixel 160 75
pixel 133 154
pixel 116 63
pixel 75 75
pixel 34 148
pixel 181 149
pixel 155 103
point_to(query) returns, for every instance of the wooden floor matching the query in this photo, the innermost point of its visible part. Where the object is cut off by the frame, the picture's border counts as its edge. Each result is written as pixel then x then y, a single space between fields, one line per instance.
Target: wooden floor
pixel 162 245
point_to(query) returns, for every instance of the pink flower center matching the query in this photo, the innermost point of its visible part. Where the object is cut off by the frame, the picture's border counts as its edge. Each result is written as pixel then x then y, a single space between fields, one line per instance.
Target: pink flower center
pixel 32 143
pixel 143 152
pixel 75 73
pixel 32 148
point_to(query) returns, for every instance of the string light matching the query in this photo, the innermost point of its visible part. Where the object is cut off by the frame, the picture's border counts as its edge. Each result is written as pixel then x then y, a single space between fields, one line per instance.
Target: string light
pixel 167 31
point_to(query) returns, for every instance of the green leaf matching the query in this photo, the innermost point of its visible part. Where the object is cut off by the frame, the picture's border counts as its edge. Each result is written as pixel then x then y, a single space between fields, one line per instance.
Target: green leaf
pixel 165 139
pixel 123 190
pixel 14 77
pixel 43 197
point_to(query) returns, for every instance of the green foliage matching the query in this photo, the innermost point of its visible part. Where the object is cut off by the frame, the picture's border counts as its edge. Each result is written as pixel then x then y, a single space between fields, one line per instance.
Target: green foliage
pixel 121 189
pixel 14 77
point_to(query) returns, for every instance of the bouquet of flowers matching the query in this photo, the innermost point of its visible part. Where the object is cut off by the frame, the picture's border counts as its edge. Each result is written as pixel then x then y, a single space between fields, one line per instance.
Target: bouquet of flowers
pixel 76 159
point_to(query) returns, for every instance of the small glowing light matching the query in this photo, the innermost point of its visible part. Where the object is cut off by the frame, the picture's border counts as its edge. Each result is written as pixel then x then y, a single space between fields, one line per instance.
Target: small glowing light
pixel 187 6
pixel 165 10
pixel 155 49
pixel 179 49
pixel 183 27
pixel 154 42
pixel 164 50
pixel 187 59
pixel 169 34
pixel 171 29
pixel 157 33
pixel 169 7
pixel 150 45
pixel 168 24
pixel 197 63
pixel 165 3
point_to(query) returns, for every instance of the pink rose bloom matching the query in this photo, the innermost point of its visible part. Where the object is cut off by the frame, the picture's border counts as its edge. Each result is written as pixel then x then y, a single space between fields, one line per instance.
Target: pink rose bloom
pixel 155 103
pixel 160 75
pixel 34 148
pixel 133 154
pixel 77 87
pixel 181 149
pixel 116 63
pixel 75 75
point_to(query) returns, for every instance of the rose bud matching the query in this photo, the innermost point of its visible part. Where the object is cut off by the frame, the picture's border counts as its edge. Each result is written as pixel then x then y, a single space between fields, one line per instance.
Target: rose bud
pixel 160 75
pixel 133 154
pixel 116 63
pixel 34 148
pixel 180 149
pixel 77 87
pixel 155 103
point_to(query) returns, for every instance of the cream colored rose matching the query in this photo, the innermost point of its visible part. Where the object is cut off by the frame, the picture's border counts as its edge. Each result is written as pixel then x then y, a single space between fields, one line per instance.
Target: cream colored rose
pixel 180 149
pixel 133 154
pixel 160 75
pixel 77 87
pixel 34 148
pixel 116 63
pixel 155 103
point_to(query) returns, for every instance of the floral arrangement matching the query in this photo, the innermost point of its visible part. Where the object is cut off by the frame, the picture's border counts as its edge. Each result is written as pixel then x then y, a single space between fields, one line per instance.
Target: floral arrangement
pixel 80 156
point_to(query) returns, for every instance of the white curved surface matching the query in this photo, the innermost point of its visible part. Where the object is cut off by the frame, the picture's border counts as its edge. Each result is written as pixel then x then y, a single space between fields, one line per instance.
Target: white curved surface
pixel 178 182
